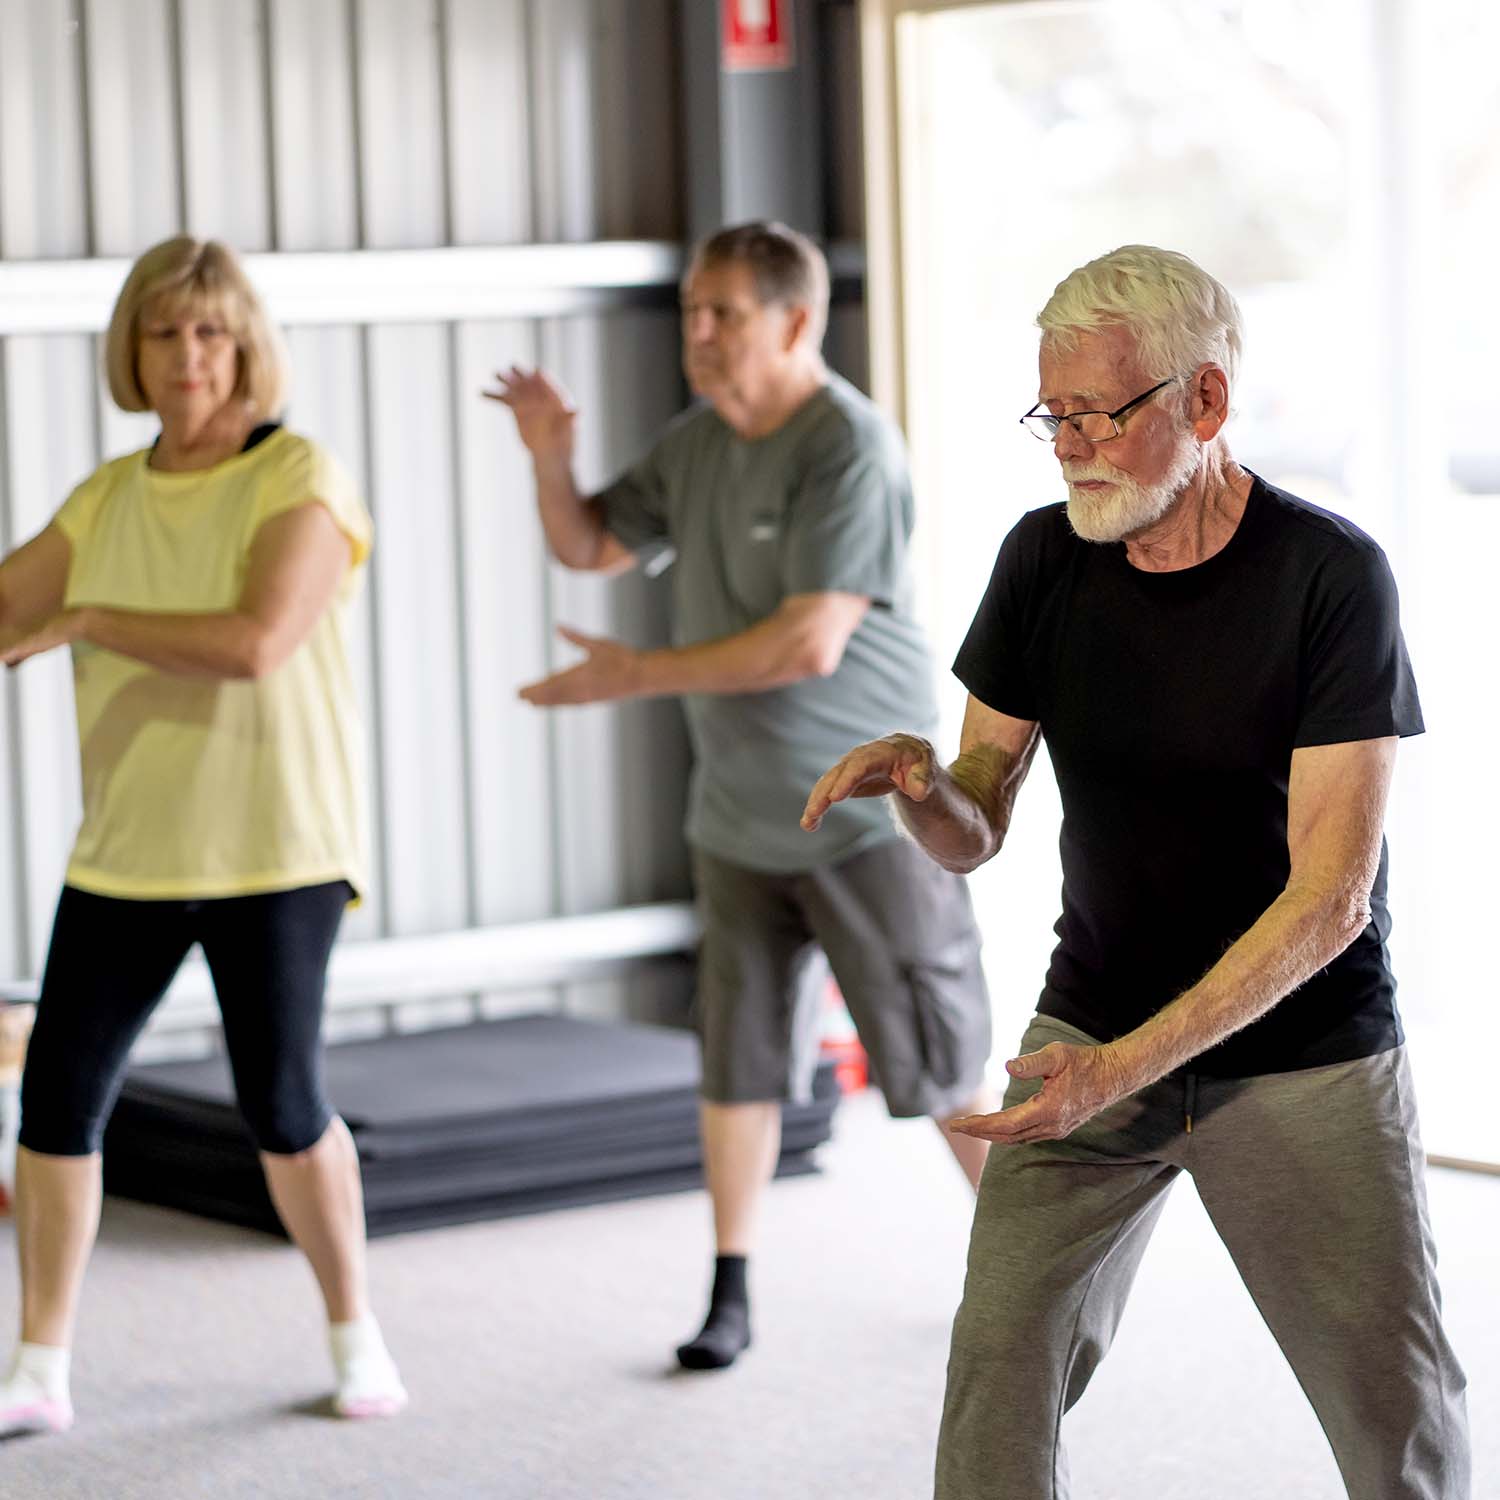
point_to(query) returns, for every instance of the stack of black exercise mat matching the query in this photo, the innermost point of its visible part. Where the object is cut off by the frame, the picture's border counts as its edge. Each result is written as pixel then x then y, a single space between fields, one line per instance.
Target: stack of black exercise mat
pixel 469 1122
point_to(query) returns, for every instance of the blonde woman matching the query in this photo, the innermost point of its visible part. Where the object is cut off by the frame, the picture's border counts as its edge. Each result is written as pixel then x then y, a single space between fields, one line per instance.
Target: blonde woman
pixel 202 585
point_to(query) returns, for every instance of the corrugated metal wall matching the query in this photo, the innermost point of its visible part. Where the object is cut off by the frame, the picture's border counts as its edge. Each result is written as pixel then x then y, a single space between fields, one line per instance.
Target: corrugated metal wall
pixel 354 125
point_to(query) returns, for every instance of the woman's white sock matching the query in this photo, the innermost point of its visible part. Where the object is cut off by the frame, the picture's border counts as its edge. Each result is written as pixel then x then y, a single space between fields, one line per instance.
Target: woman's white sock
pixel 368 1384
pixel 34 1396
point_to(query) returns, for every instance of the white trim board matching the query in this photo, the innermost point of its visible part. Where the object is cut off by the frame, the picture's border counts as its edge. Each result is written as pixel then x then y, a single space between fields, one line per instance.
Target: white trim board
pixel 393 970
pixel 369 286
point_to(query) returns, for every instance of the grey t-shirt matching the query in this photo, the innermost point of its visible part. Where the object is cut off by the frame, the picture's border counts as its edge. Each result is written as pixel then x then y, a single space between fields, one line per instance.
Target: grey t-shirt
pixel 822 503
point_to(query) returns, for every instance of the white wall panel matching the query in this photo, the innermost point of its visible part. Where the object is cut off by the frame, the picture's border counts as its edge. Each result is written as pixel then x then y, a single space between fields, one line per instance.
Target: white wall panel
pixel 564 118
pixel 504 564
pixel 14 957
pixel 133 139
pixel 224 128
pixel 49 406
pixel 421 726
pixel 400 123
pixel 327 404
pixel 42 180
pixel 316 188
pixel 344 125
pixel 489 133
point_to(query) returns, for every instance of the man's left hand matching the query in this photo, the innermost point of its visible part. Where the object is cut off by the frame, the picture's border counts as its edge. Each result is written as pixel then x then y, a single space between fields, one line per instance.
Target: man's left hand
pixel 1077 1082
pixel 61 629
pixel 609 670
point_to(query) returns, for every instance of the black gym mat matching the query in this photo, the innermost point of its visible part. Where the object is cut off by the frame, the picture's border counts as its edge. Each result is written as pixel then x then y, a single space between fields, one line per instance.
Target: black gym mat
pixel 497 1118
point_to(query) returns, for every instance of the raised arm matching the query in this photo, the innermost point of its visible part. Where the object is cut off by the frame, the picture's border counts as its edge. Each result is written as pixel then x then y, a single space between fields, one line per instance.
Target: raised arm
pixel 296 562
pixel 959 814
pixel 573 524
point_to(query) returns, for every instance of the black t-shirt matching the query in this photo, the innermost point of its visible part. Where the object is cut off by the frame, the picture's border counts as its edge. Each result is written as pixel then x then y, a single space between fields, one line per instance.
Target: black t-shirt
pixel 1171 704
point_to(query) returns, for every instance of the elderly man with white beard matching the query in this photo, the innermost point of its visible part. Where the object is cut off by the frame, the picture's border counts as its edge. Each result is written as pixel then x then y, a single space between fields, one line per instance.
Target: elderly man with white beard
pixel 1218 670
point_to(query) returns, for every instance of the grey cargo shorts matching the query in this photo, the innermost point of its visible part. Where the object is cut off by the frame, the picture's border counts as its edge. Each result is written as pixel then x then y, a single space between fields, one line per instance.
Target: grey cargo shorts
pixel 898 931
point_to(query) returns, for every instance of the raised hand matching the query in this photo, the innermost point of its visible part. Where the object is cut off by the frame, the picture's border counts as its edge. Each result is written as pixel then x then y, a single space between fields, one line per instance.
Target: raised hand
pixel 903 763
pixel 544 412
pixel 610 669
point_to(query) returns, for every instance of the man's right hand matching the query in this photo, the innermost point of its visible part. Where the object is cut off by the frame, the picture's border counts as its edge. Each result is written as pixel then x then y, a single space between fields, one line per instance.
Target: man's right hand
pixel 544 412
pixel 903 763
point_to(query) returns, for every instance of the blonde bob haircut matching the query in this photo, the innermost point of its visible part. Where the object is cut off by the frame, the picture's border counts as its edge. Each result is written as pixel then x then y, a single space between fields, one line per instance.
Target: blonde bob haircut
pixel 1179 315
pixel 181 274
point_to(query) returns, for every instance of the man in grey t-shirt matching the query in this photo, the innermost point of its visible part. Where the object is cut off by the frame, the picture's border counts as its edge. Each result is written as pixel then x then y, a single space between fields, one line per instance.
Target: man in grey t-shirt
pixel 783 504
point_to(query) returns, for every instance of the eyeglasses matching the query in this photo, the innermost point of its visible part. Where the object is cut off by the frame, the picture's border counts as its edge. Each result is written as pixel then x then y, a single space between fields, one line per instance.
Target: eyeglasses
pixel 1091 426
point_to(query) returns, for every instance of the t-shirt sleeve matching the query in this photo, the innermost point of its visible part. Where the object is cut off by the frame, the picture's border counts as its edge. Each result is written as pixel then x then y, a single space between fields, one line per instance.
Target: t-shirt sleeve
pixel 75 517
pixel 1357 681
pixel 848 523
pixel 991 663
pixel 634 510
pixel 311 473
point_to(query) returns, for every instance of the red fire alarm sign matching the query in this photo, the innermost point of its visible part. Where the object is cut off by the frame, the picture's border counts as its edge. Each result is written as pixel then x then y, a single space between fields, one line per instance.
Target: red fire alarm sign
pixel 757 35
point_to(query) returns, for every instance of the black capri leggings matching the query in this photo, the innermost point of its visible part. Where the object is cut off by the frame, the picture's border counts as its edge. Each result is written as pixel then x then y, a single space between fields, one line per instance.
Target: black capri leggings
pixel 111 961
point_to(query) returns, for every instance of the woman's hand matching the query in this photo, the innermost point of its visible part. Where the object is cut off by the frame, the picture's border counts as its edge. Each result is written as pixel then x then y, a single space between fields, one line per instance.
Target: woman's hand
pixel 61 629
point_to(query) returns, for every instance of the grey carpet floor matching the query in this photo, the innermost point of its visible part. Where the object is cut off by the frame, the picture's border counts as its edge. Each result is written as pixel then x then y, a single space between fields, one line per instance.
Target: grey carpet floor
pixel 537 1351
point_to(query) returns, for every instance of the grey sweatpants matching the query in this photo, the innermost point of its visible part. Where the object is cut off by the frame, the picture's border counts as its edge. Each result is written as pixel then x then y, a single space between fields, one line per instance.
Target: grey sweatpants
pixel 1314 1181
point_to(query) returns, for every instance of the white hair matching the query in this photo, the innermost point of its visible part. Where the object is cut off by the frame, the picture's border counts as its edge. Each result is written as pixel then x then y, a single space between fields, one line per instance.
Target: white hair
pixel 1178 314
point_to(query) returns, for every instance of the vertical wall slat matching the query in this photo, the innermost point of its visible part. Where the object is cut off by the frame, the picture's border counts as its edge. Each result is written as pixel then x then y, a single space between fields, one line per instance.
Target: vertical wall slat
pixel 400 115
pixel 42 209
pixel 13 956
pixel 505 584
pixel 50 447
pixel 637 128
pixel 223 122
pixel 489 139
pixel 420 695
pixel 133 146
pixel 326 405
pixel 312 125
pixel 564 114
pixel 504 572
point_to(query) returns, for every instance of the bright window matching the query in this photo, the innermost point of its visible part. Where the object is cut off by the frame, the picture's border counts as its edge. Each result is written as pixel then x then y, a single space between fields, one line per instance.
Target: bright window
pixel 1337 164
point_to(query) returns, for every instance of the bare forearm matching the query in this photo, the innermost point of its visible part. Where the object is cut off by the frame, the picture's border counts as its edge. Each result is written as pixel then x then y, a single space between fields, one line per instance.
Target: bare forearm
pixel 226 644
pixel 950 825
pixel 572 523
pixel 1298 934
pixel 756 660
pixel 963 820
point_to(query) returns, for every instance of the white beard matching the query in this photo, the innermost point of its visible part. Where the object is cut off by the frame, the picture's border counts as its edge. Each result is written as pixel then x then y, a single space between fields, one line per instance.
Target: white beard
pixel 1129 507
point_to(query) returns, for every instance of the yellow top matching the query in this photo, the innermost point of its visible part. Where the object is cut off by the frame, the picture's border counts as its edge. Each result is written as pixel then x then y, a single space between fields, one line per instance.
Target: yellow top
pixel 198 787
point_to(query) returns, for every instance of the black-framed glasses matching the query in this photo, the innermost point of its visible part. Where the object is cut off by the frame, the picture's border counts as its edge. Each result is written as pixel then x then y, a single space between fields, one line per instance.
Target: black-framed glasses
pixel 1091 426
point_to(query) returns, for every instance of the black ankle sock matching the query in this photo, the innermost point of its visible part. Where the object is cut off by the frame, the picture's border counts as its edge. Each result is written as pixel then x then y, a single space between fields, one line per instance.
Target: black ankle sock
pixel 726 1332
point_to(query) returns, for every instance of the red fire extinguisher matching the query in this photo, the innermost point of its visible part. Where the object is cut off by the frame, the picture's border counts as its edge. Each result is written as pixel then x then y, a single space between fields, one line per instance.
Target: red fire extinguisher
pixel 839 1042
